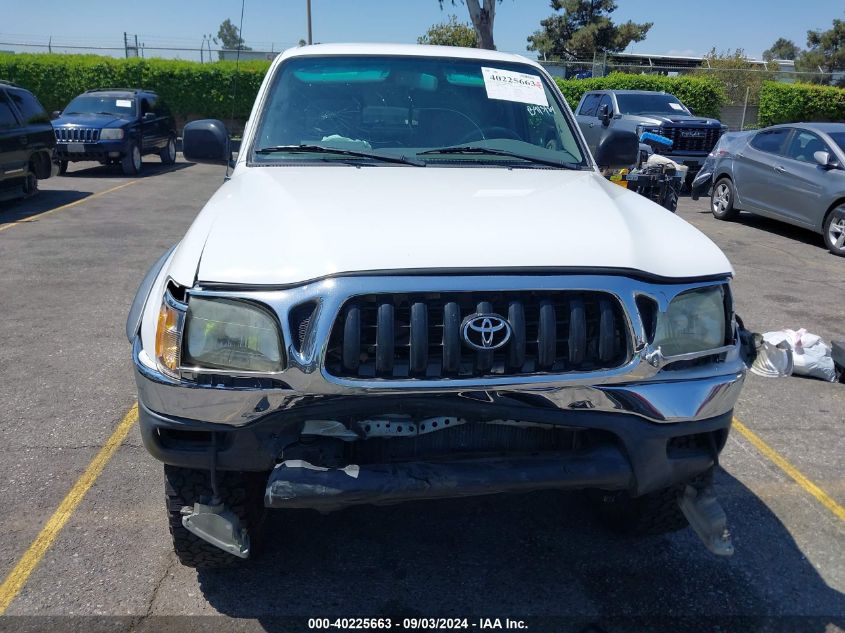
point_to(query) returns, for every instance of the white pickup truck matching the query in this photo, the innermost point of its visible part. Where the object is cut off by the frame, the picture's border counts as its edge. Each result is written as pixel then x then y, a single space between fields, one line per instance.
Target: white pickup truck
pixel 404 291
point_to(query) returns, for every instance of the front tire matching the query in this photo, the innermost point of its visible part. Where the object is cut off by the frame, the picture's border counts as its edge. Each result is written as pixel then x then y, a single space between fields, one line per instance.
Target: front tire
pixel 651 514
pixel 168 154
pixel 722 200
pixel 131 163
pixel 834 231
pixel 242 493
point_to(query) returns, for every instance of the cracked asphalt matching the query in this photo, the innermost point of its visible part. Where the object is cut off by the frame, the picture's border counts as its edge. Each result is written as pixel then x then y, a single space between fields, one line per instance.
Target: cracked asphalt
pixel 68 278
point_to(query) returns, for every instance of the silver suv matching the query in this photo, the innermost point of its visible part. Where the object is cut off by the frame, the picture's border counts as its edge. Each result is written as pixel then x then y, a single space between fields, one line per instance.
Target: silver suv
pixel 643 111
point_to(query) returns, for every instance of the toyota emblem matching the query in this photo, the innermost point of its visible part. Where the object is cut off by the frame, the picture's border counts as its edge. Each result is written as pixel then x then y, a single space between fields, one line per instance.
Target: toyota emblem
pixel 485 332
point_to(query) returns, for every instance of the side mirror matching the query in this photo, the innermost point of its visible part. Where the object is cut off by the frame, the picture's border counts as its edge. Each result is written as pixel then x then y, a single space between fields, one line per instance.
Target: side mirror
pixel 604 114
pixel 149 116
pixel 825 159
pixel 55 114
pixel 206 141
pixel 617 149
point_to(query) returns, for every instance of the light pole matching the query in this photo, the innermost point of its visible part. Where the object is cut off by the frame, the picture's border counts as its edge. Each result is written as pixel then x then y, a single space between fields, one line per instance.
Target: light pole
pixel 308 12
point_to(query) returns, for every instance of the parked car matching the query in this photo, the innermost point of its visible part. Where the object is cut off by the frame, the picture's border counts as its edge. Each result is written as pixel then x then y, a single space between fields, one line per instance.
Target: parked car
pixel 794 173
pixel 26 142
pixel 660 113
pixel 115 126
pixel 402 293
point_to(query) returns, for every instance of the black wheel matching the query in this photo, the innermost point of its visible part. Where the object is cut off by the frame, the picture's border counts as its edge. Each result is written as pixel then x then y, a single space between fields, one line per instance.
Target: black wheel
pixel 62 167
pixel 834 231
pixel 653 513
pixel 243 493
pixel 670 199
pixel 722 200
pixel 30 187
pixel 168 154
pixel 131 163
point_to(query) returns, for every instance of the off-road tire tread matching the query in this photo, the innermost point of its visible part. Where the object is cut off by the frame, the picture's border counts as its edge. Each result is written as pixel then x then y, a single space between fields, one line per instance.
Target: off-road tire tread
pixel 650 514
pixel 241 492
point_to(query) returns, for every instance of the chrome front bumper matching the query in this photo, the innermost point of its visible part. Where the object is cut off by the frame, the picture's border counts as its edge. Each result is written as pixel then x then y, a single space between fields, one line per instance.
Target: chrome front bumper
pixel 664 399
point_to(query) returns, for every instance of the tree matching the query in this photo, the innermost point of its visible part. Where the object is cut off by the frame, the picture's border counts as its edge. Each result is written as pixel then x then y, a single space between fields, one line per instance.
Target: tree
pixel 737 73
pixel 584 28
pixel 450 33
pixel 482 13
pixel 781 49
pixel 229 37
pixel 825 51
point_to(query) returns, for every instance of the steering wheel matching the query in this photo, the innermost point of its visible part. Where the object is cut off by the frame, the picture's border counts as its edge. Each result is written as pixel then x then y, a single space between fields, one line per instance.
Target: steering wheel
pixel 491 131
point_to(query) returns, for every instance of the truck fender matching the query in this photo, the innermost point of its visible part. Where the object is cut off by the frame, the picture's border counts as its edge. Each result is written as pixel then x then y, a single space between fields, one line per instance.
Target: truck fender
pixel 136 312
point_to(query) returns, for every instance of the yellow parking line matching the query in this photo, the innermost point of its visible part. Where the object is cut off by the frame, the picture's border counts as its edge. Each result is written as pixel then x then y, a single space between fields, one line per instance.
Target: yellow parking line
pixel 65 206
pixel 821 496
pixel 17 578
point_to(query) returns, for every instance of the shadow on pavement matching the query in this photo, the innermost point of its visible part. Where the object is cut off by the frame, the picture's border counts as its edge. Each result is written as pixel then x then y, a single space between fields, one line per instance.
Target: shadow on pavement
pixel 541 554
pixel 44 200
pixel 114 171
pixel 776 227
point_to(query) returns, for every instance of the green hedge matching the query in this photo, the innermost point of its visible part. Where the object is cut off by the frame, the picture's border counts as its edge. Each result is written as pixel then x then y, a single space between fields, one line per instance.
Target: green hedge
pixel 788 103
pixel 192 90
pixel 195 90
pixel 704 95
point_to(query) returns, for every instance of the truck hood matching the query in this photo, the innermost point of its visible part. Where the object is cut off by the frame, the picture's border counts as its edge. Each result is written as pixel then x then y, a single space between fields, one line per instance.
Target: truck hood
pixel 286 225
pixel 89 120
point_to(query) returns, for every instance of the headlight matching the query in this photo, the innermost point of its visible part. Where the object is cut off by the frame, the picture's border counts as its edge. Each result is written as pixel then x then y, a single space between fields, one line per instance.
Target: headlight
pixel 694 322
pixel 654 129
pixel 111 134
pixel 231 335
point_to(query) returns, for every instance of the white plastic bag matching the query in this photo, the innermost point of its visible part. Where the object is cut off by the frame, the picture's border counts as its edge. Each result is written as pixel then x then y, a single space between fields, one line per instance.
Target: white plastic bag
pixel 773 360
pixel 810 354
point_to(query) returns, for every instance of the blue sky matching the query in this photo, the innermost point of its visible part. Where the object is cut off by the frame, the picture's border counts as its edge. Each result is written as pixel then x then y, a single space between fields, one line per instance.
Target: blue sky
pixel 680 26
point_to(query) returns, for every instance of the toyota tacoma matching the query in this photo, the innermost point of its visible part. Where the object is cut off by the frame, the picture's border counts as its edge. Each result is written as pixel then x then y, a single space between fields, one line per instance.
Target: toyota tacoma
pixel 403 291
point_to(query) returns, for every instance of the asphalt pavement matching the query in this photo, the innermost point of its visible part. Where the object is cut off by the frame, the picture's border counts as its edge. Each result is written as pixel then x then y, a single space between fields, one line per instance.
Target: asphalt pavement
pixel 68 278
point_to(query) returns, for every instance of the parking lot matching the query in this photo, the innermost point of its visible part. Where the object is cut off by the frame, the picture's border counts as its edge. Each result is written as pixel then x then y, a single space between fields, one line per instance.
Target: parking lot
pixel 72 258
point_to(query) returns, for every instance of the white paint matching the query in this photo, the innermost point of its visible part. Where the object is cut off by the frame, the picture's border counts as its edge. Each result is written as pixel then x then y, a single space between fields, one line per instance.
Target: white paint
pixel 285 225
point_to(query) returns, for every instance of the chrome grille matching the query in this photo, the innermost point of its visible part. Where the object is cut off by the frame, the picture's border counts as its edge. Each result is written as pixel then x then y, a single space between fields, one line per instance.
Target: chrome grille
pixel 407 336
pixel 77 134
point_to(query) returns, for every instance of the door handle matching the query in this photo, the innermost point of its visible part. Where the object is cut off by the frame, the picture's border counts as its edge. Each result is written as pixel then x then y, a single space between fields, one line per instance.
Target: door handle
pixel 780 169
pixel 592 125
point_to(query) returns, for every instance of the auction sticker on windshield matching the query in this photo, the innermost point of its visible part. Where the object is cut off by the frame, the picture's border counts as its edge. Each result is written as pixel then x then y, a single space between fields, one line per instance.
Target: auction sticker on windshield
pixel 512 86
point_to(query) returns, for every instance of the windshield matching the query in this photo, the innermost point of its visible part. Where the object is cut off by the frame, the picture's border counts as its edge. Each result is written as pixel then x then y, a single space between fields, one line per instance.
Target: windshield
pixel 633 103
pixel 403 106
pixel 101 104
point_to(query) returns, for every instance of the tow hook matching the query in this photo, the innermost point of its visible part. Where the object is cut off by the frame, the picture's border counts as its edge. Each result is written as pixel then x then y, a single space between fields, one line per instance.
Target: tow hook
pixel 218 526
pixel 707 519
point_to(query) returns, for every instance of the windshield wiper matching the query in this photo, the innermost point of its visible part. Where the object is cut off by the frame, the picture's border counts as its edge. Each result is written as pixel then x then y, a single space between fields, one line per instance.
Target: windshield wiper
pixel 320 149
pixel 474 149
